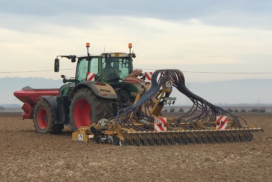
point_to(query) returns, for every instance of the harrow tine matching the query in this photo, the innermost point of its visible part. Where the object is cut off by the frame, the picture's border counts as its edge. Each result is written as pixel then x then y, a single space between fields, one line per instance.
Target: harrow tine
pixel 138 139
pixel 163 137
pixel 250 133
pixel 242 139
pixel 191 138
pixel 225 136
pixel 235 136
pixel 229 136
pixel 150 139
pixel 157 138
pixel 135 139
pixel 204 137
pixel 144 139
pixel 218 138
pixel 177 139
pixel 210 137
pixel 170 138
pixel 184 138
pixel 197 136
pixel 246 137
pixel 222 137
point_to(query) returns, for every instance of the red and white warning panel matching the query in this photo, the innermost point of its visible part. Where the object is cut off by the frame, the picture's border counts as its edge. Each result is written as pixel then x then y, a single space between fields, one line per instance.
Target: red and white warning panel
pixel 222 122
pixel 160 124
pixel 148 75
pixel 90 76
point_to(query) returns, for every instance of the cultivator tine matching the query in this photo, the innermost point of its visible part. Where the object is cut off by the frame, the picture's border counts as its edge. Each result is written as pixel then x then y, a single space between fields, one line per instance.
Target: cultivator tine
pixel 222 136
pixel 135 139
pixel 171 138
pixel 150 139
pixel 156 139
pixel 187 138
pixel 176 138
pixel 180 138
pixel 246 137
pixel 138 139
pixel 163 138
pixel 216 137
pixel 204 137
pixel 144 139
pixel 241 136
pixel 249 135
pixel 229 136
pixel 192 137
pixel 209 137
pixel 195 137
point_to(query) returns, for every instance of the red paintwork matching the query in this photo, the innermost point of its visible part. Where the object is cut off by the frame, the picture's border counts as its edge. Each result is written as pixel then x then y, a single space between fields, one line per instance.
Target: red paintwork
pixel 31 97
pixel 42 118
pixel 28 113
pixel 82 112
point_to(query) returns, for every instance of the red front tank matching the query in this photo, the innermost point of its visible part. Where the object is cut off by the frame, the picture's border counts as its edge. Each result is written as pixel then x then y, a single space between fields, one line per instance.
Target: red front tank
pixel 30 97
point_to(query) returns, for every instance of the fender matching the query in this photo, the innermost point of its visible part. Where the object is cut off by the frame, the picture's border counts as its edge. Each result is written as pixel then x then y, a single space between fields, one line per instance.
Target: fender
pixel 52 101
pixel 102 90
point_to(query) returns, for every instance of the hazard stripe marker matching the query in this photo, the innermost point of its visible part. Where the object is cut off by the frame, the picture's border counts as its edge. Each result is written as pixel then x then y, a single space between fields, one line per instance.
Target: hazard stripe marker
pixel 90 76
pixel 160 124
pixel 222 122
pixel 148 75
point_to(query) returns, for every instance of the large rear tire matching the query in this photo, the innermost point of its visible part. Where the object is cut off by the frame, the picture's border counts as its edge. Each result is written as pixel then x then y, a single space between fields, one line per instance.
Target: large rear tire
pixel 43 119
pixel 87 108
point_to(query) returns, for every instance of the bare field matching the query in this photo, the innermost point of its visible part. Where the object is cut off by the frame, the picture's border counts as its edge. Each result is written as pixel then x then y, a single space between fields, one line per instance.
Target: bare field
pixel 29 156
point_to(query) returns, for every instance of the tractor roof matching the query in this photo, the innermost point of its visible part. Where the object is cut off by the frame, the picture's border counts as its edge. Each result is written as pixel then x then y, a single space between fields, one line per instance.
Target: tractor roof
pixel 112 54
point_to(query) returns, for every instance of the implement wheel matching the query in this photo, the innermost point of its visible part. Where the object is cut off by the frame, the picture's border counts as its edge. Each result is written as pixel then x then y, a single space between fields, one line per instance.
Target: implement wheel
pixel 43 119
pixel 87 108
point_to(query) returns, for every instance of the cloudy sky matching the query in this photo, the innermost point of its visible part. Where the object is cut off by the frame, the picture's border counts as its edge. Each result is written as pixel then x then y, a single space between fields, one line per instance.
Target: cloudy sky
pixel 190 35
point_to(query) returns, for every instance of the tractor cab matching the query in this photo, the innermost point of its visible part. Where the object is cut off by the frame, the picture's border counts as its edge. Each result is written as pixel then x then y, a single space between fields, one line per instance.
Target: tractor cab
pixel 104 74
pixel 105 68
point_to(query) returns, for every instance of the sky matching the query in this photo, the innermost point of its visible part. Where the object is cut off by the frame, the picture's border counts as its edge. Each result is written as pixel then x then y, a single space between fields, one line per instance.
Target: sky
pixel 190 35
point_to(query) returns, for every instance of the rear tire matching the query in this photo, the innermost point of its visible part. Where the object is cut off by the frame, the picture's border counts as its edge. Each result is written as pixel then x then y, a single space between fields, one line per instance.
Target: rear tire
pixel 43 119
pixel 87 108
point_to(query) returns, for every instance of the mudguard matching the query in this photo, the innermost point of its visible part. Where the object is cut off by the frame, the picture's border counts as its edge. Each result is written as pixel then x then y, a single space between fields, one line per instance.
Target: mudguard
pixel 99 89
pixel 52 101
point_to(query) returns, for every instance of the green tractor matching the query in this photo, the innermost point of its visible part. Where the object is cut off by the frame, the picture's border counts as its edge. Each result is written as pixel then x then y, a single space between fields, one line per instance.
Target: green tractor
pixel 99 89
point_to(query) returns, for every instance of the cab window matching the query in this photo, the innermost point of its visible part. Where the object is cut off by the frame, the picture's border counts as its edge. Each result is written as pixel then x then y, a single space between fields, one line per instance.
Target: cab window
pixel 83 68
pixel 115 68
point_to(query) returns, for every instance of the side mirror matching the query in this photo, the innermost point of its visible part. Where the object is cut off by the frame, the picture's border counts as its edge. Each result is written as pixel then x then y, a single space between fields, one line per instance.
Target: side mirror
pixel 56 67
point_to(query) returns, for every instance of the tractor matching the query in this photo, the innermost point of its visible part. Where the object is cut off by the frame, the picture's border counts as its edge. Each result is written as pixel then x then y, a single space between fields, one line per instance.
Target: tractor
pixel 99 89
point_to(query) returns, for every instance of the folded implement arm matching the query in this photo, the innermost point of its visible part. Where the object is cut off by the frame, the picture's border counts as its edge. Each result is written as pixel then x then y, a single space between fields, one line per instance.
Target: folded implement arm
pixel 136 124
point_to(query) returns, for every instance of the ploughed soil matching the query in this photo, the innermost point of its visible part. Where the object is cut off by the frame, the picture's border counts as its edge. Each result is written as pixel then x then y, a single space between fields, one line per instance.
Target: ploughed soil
pixel 29 156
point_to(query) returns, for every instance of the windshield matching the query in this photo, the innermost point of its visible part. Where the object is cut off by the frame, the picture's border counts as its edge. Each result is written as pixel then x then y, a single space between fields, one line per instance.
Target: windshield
pixel 84 66
pixel 116 68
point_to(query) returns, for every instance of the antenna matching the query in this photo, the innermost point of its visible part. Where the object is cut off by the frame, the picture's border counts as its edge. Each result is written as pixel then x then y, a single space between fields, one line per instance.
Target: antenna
pixel 139 36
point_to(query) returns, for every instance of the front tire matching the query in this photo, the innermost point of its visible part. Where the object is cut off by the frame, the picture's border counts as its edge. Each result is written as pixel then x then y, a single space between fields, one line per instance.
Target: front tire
pixel 87 108
pixel 43 119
